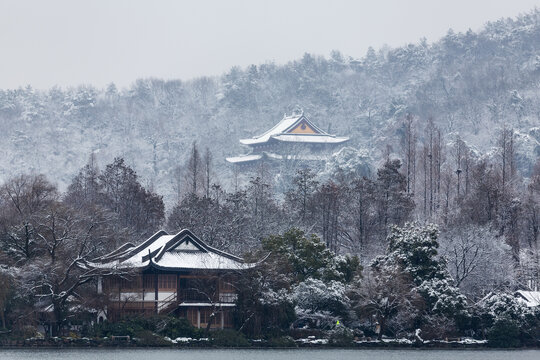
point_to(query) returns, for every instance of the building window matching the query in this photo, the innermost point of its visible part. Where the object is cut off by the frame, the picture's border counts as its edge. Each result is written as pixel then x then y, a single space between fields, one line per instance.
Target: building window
pixel 192 316
pixel 206 317
pixel 149 281
pixel 131 283
pixel 167 282
pixel 114 283
pixel 227 319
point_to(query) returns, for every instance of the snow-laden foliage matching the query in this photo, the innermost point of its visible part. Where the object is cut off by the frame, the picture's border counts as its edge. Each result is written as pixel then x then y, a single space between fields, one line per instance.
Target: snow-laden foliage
pixel 387 296
pixel 315 295
pixel 301 284
pixel 442 297
pixel 320 319
pixel 307 257
pixel 319 304
pixel 413 249
pixel 273 297
pixel 508 321
pixel 349 163
pixel 504 305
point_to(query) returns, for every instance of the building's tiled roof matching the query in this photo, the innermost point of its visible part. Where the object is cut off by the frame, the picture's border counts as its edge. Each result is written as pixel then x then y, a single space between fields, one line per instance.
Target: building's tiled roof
pixel 280 133
pixel 308 138
pixel 529 298
pixel 244 158
pixel 181 251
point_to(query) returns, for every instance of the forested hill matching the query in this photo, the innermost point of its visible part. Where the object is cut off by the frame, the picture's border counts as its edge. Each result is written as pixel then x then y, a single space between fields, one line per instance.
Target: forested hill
pixel 472 83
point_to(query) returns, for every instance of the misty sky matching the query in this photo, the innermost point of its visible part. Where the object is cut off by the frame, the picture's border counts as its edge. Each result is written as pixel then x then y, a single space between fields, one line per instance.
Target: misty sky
pixel 69 42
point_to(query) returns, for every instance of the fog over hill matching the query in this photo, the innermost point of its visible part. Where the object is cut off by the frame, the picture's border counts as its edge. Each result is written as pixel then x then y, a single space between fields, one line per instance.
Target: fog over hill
pixel 472 84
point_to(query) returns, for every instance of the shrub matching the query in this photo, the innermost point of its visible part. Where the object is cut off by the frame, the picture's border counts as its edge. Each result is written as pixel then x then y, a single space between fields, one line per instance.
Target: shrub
pixel 341 336
pixel 25 332
pixel 127 326
pixel 148 338
pixel 178 327
pixel 229 338
pixel 504 333
pixel 438 327
pixel 282 341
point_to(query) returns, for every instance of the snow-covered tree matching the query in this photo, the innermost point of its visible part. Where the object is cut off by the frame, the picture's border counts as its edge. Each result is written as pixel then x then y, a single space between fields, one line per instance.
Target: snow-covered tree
pixel 413 250
pixel 479 260
pixel 386 297
pixel 320 304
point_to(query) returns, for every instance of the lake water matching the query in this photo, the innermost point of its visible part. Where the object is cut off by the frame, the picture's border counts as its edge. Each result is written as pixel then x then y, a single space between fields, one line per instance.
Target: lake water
pixel 263 354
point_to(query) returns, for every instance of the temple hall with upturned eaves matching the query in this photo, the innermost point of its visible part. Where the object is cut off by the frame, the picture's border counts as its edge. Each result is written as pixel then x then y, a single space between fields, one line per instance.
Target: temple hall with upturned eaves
pixel 295 137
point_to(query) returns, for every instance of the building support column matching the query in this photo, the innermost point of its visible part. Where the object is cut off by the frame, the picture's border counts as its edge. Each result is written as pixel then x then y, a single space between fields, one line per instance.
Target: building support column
pixel 177 290
pixel 222 319
pixel 198 318
pixel 156 293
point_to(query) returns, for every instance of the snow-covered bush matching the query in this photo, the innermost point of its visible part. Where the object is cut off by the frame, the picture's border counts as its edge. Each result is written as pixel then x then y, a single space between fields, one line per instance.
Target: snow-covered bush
pixel 503 305
pixel 388 297
pixel 508 321
pixel 348 163
pixel 320 304
pixel 442 297
pixel 341 336
pixel 314 294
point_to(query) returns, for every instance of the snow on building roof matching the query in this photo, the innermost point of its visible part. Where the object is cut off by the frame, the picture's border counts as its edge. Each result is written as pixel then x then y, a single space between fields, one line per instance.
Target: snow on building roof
pixel 273 156
pixel 329 139
pixel 244 158
pixel 529 298
pixel 296 157
pixel 279 128
pixel 289 123
pixel 163 251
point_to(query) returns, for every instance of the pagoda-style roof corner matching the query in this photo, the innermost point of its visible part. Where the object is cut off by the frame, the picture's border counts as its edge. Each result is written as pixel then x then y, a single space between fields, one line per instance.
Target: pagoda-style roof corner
pixel 171 252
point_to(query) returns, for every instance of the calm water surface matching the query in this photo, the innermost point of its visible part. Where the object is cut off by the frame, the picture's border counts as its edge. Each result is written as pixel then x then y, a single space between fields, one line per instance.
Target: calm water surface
pixel 295 354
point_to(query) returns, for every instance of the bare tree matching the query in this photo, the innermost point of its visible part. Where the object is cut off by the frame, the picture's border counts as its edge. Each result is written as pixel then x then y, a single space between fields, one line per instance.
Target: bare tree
pixel 479 259
pixel 408 144
pixel 207 172
pixel 194 170
pixel 5 289
pixel 23 199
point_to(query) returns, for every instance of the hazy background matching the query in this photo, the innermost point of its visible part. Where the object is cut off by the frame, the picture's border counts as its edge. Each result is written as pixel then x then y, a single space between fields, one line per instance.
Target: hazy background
pixel 66 42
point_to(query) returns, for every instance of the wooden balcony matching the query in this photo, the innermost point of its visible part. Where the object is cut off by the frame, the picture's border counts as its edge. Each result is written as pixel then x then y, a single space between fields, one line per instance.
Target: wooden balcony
pixel 197 296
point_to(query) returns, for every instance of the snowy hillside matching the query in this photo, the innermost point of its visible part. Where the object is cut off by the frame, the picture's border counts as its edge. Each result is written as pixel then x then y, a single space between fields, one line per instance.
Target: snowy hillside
pixel 470 83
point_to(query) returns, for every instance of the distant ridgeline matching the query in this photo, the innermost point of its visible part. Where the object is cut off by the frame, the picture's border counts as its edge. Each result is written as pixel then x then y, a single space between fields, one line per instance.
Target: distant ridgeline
pixel 294 138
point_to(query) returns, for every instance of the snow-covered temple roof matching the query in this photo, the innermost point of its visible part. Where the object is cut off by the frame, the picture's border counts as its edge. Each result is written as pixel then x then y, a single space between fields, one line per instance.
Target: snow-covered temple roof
pixel 171 252
pixel 529 298
pixel 295 128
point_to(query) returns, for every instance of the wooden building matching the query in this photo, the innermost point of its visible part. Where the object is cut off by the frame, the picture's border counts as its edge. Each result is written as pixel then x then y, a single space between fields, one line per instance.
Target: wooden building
pixel 171 274
pixel 293 138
